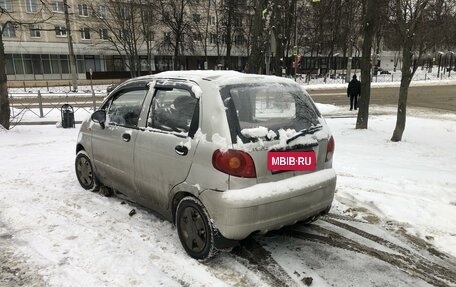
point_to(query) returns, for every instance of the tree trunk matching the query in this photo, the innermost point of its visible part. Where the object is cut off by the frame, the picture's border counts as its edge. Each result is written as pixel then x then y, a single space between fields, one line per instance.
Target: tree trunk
pixel 176 53
pixel 370 23
pixel 403 93
pixel 255 61
pixel 349 63
pixel 228 35
pixel 4 100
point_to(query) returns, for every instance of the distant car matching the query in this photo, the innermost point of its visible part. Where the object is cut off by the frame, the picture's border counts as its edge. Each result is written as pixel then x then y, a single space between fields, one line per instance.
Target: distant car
pixel 196 146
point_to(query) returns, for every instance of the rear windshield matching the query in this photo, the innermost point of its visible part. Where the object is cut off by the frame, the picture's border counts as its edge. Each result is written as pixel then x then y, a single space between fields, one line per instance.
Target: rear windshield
pixel 257 111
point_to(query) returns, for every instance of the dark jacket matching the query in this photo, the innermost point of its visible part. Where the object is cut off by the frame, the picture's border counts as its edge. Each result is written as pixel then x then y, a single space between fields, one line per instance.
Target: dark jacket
pixel 354 88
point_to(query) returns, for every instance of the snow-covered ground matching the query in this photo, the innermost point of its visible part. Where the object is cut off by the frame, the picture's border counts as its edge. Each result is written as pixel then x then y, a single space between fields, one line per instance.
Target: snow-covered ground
pixel 412 182
pixel 52 229
pixel 57 90
pixel 392 79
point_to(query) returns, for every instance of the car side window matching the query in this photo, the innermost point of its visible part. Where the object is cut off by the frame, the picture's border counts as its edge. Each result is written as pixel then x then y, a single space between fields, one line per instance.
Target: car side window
pixel 125 108
pixel 172 110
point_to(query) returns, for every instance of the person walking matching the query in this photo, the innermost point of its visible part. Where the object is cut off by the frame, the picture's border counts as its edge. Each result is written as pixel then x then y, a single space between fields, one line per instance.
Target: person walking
pixel 353 91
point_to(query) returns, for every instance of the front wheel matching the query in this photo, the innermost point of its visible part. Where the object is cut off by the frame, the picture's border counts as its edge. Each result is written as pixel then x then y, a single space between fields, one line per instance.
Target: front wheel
pixel 195 229
pixel 84 172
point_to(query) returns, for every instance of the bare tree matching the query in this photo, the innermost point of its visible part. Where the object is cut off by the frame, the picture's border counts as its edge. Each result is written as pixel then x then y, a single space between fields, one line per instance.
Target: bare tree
pixel 370 24
pixel 230 26
pixel 148 25
pixel 8 23
pixel 418 28
pixel 201 25
pixel 260 37
pixel 124 25
pixel 175 17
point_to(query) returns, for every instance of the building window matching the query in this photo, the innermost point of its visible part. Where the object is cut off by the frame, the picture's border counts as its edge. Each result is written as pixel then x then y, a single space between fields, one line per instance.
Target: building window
pixel 9 65
pixel 124 13
pixel 213 38
pixel 196 18
pixel 57 6
pixel 239 40
pixel 30 6
pixel 60 31
pixel 124 35
pixel 212 20
pixel 6 5
pixel 83 11
pixel 238 22
pixel 104 34
pixel 147 15
pixel 101 11
pixel 151 36
pixel 9 30
pixel 167 37
pixel 35 31
pixel 85 33
pixel 46 63
pixel 197 37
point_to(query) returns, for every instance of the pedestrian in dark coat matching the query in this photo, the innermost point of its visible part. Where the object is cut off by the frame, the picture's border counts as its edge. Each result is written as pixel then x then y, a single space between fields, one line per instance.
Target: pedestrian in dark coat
pixel 353 92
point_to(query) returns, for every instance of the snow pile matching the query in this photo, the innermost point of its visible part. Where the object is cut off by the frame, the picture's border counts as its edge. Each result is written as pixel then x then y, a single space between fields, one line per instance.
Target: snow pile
pixel 258 132
pixel 327 108
pixel 220 141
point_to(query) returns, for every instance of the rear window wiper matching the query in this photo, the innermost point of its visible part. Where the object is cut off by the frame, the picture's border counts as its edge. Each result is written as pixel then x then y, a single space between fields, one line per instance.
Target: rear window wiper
pixel 304 132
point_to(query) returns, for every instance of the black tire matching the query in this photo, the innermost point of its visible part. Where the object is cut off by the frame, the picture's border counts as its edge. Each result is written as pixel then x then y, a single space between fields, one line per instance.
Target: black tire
pixel 84 172
pixel 195 229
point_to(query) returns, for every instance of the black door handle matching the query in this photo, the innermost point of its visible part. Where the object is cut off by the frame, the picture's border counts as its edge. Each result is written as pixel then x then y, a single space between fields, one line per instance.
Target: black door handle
pixel 126 137
pixel 181 150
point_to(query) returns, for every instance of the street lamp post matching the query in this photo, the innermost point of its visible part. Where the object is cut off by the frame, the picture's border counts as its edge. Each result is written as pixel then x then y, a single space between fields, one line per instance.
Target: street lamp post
pixel 94 105
pixel 335 63
pixel 440 61
pixel 451 62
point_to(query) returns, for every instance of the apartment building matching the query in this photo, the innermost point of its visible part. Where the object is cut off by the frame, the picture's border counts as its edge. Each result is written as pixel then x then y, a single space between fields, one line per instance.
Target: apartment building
pixel 39 50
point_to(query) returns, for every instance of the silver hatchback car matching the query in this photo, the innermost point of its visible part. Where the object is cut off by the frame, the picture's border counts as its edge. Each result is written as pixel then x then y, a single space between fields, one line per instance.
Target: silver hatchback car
pixel 219 153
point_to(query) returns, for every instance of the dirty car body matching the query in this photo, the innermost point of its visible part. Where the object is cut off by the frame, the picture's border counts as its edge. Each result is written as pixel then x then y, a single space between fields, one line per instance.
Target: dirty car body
pixel 193 146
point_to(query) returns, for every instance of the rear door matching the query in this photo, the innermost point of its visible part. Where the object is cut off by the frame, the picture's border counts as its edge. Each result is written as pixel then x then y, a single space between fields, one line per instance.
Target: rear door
pixel 165 147
pixel 268 117
pixel 113 145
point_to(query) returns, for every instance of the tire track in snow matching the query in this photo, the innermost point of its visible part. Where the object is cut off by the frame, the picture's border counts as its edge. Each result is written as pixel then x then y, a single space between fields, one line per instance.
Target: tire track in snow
pixel 261 260
pixel 15 270
pixel 427 271
pixel 443 272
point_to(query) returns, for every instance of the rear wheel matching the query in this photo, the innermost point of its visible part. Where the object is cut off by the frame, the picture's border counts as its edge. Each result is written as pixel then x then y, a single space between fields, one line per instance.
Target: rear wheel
pixel 195 229
pixel 84 172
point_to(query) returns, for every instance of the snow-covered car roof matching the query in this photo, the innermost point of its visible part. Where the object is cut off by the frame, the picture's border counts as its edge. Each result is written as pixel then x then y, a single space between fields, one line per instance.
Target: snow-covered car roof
pixel 220 78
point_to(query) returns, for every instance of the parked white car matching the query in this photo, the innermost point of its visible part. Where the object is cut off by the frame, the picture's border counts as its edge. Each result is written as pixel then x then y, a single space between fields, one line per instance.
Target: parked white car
pixel 221 154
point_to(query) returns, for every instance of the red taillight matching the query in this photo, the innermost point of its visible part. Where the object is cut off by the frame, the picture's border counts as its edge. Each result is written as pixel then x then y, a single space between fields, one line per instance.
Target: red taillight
pixel 234 162
pixel 330 149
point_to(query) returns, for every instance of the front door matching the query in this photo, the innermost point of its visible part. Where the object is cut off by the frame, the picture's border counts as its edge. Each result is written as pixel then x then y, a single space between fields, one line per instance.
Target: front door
pixel 165 148
pixel 113 145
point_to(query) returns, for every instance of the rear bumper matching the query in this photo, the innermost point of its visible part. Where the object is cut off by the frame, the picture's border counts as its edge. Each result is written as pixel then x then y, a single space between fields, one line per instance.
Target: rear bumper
pixel 268 206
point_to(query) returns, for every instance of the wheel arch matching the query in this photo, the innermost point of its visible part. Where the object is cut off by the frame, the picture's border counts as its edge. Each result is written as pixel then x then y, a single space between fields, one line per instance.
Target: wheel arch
pixel 79 147
pixel 178 196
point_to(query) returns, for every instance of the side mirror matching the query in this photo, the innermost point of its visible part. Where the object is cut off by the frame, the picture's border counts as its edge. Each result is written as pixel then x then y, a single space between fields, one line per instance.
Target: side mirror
pixel 99 117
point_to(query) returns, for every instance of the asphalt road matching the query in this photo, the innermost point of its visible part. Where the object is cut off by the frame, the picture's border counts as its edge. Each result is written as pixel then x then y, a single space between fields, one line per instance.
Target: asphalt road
pixel 436 97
